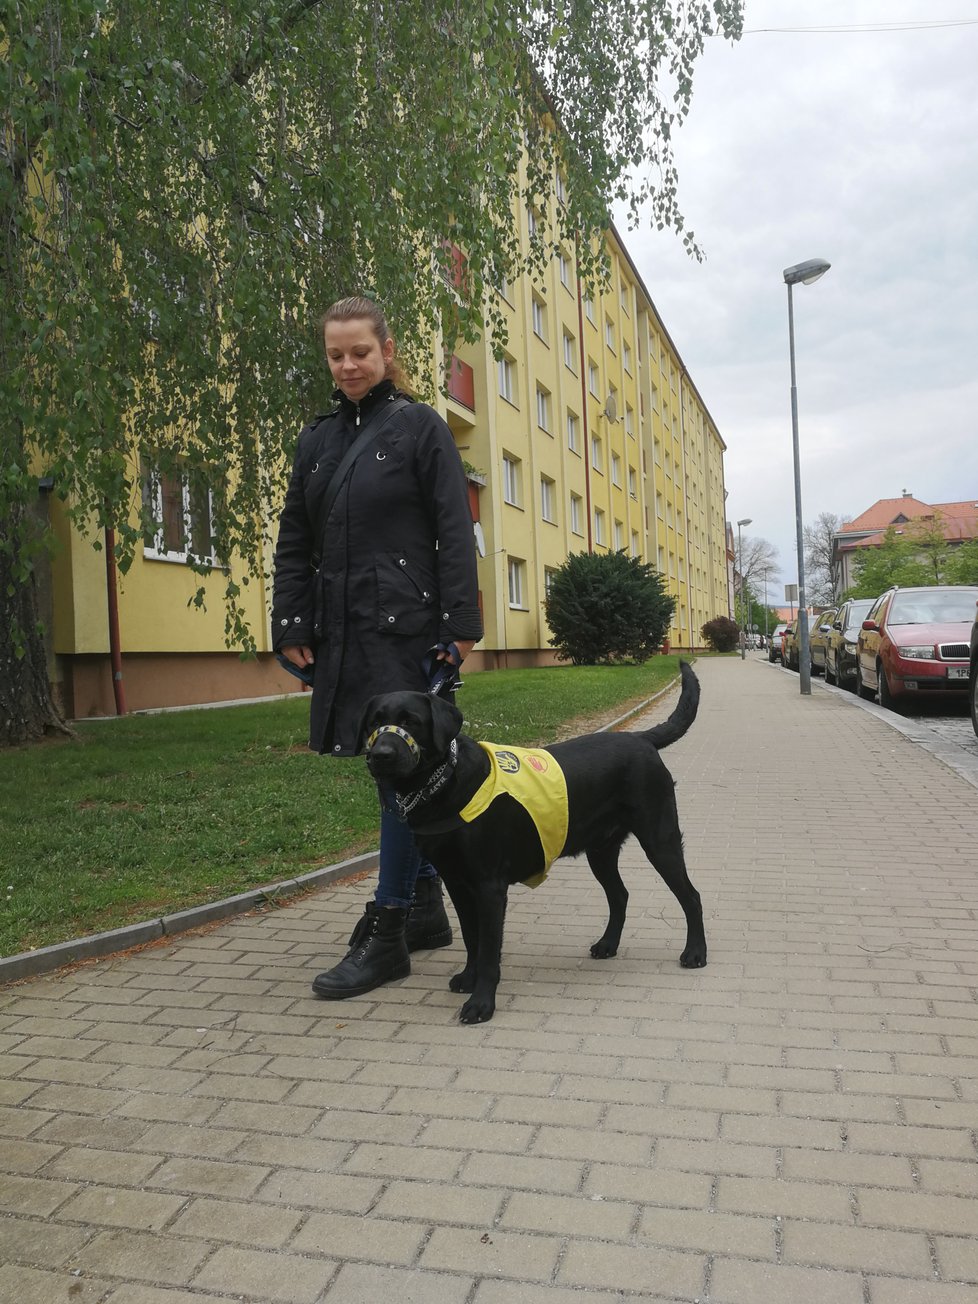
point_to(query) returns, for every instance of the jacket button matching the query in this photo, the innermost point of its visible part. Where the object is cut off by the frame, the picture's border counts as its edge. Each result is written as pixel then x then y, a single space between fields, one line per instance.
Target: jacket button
pixel 445 615
pixel 426 595
pixel 336 748
pixel 298 620
pixel 390 620
pixel 283 622
pixel 402 561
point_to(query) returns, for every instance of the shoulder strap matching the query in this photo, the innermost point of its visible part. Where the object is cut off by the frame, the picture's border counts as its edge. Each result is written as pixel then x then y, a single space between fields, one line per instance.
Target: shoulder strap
pixel 359 446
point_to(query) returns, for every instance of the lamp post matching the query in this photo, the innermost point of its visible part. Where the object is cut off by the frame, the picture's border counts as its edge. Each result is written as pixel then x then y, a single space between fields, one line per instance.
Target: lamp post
pixel 801 274
pixel 740 551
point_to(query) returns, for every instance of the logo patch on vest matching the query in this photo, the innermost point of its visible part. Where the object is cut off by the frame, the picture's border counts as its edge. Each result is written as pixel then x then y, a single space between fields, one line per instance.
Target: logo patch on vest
pixel 508 762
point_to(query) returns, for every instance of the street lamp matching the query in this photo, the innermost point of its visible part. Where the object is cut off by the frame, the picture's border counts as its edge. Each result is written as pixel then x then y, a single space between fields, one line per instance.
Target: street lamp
pixel 801 274
pixel 740 550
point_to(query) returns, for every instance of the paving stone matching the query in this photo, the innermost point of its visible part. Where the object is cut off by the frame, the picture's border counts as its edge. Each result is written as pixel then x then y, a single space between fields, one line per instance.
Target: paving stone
pixel 141 1256
pixel 269 1277
pixel 23 1285
pixel 631 1268
pixel 40 1243
pixel 492 1254
pixel 107 1206
pixel 737 1281
pixel 363 1284
pixel 364 1237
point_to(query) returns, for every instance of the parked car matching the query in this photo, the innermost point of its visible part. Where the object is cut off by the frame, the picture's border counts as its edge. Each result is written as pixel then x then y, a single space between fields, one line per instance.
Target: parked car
pixel 774 643
pixel 840 649
pixel 973 675
pixel 915 641
pixel 789 645
pixel 820 627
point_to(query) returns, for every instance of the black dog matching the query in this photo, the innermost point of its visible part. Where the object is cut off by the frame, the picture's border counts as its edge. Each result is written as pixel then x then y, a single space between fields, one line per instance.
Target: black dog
pixel 616 784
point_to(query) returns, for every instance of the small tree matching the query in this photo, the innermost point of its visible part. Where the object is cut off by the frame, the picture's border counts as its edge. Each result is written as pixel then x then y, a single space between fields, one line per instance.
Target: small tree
pixel 721 633
pixel 606 607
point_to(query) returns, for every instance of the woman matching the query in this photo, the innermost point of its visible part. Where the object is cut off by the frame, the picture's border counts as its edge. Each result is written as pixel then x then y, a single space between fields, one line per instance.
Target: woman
pixel 367 583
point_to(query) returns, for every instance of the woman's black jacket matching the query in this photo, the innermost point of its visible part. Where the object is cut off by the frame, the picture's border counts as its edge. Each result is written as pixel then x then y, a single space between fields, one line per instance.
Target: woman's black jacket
pixel 389 575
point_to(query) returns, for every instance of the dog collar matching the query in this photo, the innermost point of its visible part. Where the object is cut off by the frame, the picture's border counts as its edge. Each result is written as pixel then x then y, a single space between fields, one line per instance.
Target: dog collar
pixel 401 733
pixel 437 781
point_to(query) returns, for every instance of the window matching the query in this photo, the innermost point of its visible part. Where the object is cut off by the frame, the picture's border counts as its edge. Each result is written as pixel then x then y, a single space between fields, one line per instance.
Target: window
pixel 589 309
pixel 547 499
pixel 609 333
pixel 517 583
pixel 183 509
pixel 598 525
pixel 629 420
pixel 626 358
pixel 577 514
pixel 597 460
pixel 573 433
pixel 512 477
pixel 561 188
pixel 655 398
pixel 616 469
pixel 619 536
pixel 538 316
pixel 593 378
pixel 635 543
pixel 543 408
pixel 549 575
pixel 507 379
pixel 570 352
pixel 532 221
pixel 564 266
pixel 625 296
pixel 632 483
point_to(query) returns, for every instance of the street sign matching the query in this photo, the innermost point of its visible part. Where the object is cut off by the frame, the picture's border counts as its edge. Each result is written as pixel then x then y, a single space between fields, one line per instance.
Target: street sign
pixel 791 593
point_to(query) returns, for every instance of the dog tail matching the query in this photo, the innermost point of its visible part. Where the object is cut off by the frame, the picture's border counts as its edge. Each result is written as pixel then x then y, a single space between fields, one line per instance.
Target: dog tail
pixel 671 730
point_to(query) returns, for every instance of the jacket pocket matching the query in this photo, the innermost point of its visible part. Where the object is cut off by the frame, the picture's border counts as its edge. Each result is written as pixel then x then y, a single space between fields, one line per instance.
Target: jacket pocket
pixel 406 596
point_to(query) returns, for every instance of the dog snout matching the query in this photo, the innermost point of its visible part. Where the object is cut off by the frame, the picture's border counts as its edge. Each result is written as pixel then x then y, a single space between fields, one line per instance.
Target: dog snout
pixel 389 757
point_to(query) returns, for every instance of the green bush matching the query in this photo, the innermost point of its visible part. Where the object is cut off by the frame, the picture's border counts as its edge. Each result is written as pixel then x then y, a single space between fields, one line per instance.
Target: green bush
pixel 721 633
pixel 606 607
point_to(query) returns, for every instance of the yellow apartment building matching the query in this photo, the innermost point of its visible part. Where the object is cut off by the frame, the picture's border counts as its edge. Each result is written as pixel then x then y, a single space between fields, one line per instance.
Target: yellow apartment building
pixel 586 434
pixel 590 436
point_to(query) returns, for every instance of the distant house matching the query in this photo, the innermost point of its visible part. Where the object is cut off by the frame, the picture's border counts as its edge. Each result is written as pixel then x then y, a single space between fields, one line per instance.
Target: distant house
pixel 958 521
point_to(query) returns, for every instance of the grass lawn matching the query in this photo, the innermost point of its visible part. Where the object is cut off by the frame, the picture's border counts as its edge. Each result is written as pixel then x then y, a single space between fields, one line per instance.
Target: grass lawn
pixel 154 813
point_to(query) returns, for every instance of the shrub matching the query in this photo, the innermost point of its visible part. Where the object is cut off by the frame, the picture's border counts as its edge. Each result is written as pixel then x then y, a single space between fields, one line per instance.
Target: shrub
pixel 605 607
pixel 721 633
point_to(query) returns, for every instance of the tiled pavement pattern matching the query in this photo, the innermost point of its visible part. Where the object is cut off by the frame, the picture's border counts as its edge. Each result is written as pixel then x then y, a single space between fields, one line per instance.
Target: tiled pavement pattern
pixel 795 1122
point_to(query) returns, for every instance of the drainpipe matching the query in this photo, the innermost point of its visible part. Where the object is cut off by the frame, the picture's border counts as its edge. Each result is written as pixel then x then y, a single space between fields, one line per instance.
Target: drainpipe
pixel 586 452
pixel 115 643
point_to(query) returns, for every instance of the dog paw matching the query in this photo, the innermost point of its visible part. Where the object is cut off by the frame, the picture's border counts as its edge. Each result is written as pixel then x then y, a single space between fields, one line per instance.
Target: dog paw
pixel 603 950
pixel 476 1011
pixel 462 982
pixel 693 957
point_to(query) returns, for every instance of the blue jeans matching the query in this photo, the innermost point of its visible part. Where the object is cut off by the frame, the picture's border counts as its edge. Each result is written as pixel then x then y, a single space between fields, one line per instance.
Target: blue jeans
pixel 401 863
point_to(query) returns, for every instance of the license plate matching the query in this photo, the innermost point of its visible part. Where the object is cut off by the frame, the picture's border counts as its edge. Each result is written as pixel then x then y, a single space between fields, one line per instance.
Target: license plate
pixel 957 672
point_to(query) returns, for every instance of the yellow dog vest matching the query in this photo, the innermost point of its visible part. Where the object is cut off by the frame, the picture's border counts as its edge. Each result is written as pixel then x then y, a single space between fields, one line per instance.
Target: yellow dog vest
pixel 537 782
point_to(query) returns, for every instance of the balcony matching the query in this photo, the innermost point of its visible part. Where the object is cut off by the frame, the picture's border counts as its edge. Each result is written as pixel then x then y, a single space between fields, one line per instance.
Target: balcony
pixel 460 383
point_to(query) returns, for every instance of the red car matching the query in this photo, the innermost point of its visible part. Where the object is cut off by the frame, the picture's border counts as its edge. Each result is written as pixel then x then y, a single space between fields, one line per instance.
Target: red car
pixel 915 641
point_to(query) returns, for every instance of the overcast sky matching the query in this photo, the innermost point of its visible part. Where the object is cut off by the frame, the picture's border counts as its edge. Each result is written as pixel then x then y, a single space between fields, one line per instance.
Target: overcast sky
pixel 860 148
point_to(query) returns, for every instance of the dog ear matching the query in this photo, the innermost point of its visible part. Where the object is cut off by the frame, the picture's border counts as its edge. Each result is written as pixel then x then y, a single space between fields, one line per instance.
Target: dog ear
pixel 446 723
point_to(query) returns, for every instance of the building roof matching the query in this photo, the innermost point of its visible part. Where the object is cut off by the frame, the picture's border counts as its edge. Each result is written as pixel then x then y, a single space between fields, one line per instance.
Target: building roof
pixel 959 521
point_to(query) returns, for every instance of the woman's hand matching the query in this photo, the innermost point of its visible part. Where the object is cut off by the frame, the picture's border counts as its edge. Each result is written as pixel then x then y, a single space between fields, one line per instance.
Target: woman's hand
pixel 464 646
pixel 301 656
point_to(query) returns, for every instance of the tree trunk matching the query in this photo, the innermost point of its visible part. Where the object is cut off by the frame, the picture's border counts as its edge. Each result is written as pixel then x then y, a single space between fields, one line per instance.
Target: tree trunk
pixel 28 711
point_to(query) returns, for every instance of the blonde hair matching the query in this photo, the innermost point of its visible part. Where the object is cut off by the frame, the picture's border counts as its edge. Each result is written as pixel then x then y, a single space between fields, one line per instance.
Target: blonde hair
pixel 358 307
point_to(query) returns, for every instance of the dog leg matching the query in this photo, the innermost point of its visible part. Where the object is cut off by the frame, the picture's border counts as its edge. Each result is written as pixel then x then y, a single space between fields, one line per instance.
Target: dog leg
pixel 666 856
pixel 481 1005
pixel 604 867
pixel 463 899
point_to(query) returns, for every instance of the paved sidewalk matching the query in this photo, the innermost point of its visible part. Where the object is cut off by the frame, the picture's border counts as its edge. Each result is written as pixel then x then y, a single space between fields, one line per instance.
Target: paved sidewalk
pixel 796 1122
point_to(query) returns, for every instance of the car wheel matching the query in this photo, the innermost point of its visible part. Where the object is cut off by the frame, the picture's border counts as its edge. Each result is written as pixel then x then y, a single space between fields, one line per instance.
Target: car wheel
pixel 886 697
pixel 861 689
pixel 973 694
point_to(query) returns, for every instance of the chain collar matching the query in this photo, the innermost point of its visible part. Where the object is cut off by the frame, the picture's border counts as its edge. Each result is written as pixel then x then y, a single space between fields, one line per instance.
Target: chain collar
pixel 437 781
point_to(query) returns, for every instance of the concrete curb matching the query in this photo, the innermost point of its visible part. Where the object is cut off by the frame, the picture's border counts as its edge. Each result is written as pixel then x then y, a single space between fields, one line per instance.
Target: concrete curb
pixel 28 964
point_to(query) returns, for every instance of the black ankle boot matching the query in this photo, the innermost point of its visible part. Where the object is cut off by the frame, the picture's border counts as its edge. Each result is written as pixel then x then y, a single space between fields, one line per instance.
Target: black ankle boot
pixel 427 924
pixel 378 954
